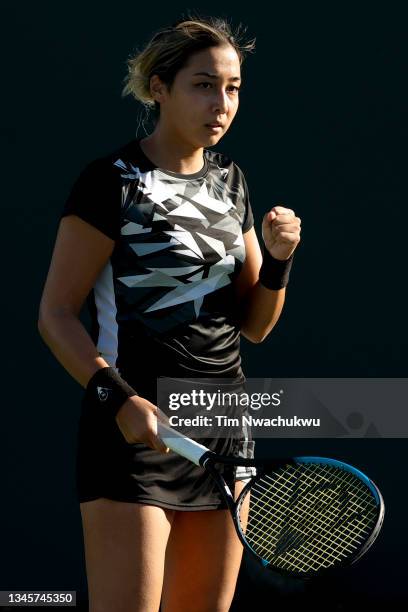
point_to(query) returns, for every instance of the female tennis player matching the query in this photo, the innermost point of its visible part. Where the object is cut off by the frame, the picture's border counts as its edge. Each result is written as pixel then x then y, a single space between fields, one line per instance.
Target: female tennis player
pixel 158 237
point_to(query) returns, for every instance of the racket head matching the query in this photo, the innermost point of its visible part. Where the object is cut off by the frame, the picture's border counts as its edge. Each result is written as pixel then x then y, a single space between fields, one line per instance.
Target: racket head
pixel 309 515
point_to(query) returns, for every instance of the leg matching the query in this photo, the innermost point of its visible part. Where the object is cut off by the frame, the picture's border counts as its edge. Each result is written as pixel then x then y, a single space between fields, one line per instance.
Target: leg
pixel 125 547
pixel 202 561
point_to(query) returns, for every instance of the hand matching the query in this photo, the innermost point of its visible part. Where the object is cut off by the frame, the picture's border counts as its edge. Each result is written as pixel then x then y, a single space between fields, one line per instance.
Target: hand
pixel 281 232
pixel 137 420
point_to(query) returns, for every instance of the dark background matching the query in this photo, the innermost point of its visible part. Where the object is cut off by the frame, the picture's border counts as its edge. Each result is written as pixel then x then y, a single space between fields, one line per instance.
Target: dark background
pixel 319 130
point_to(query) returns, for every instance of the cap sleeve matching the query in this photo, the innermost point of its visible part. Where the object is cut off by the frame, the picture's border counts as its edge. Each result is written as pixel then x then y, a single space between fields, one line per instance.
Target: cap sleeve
pixel 95 197
pixel 248 221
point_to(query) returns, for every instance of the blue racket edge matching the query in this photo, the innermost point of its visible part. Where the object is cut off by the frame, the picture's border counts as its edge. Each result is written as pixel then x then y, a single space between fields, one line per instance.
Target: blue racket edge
pixel 201 455
pixel 345 466
pixel 322 461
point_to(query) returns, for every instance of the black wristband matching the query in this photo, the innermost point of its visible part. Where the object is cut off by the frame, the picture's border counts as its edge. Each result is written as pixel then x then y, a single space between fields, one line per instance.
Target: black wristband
pixel 107 388
pixel 274 273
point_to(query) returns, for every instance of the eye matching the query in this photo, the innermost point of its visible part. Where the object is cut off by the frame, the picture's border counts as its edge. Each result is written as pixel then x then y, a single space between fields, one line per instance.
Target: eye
pixel 206 85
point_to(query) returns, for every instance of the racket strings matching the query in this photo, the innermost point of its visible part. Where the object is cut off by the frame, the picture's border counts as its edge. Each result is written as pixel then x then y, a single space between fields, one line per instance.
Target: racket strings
pixel 302 532
pixel 294 539
pixel 294 542
pixel 309 516
pixel 258 508
pixel 324 497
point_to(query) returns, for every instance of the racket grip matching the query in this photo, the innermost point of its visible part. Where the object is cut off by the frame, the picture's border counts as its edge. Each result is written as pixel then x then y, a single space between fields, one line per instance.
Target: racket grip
pixel 187 448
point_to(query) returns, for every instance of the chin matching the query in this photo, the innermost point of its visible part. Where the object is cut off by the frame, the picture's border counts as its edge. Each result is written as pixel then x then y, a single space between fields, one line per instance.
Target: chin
pixel 206 140
pixel 213 139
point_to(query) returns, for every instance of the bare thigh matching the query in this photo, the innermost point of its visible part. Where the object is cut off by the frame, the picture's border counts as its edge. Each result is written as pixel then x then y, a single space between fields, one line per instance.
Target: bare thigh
pixel 125 547
pixel 202 561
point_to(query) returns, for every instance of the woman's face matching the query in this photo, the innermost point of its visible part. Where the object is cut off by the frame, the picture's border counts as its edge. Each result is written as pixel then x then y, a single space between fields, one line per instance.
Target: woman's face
pixel 204 92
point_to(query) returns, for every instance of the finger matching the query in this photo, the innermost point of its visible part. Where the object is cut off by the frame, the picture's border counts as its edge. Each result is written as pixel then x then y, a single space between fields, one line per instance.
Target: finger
pixel 270 216
pixel 158 445
pixel 281 210
pixel 281 219
pixel 289 237
pixel 287 227
pixel 163 449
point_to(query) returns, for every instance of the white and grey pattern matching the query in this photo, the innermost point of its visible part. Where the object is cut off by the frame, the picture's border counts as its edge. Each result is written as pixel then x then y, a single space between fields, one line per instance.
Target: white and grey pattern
pixel 182 240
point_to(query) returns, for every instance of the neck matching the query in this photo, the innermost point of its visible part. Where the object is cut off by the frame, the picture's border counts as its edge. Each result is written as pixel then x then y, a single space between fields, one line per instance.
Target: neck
pixel 169 152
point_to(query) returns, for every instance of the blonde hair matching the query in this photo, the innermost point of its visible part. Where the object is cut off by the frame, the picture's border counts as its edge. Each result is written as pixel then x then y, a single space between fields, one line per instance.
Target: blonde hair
pixel 170 48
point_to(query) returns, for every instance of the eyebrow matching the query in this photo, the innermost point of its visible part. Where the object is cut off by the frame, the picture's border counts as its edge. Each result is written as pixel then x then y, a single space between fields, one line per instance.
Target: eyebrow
pixel 214 76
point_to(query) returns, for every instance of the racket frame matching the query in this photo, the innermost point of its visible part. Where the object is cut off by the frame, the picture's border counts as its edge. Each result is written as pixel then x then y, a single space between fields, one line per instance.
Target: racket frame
pixel 208 461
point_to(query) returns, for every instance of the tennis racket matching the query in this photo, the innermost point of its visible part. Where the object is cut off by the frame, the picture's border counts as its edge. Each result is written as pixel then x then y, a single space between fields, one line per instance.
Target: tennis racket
pixel 307 515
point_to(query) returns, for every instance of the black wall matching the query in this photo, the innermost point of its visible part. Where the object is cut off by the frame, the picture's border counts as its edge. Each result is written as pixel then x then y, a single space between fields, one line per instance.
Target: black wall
pixel 319 130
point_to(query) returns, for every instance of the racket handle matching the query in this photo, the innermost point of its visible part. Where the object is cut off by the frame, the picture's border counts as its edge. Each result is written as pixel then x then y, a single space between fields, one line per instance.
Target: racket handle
pixel 187 448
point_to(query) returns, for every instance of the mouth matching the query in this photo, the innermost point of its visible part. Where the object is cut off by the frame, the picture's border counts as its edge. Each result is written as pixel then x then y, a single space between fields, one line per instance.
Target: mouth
pixel 215 127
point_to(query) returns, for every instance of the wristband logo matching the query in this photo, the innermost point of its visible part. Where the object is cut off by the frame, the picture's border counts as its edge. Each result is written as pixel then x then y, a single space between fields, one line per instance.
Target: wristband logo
pixel 103 393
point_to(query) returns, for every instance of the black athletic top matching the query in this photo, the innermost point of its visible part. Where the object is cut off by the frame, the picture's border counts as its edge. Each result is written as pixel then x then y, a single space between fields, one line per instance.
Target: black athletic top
pixel 169 281
pixel 164 305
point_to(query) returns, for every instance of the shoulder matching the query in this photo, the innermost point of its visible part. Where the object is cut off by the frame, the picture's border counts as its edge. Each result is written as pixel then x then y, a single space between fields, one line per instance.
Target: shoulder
pixel 112 162
pixel 229 169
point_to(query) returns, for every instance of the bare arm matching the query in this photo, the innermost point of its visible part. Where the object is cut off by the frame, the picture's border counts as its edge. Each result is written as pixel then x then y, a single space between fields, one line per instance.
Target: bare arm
pixel 81 252
pixel 260 308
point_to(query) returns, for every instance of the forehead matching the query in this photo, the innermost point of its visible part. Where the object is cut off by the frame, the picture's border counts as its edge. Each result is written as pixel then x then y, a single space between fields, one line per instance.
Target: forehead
pixel 222 61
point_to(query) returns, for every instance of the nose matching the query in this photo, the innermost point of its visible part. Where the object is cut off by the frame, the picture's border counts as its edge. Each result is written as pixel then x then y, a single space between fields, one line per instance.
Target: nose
pixel 220 102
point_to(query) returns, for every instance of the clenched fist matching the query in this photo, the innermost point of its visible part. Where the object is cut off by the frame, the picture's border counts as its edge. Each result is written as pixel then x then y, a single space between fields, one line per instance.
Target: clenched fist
pixel 281 232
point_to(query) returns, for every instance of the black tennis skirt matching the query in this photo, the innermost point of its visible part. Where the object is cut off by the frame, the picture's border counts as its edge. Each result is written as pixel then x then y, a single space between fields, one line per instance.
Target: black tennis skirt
pixel 108 466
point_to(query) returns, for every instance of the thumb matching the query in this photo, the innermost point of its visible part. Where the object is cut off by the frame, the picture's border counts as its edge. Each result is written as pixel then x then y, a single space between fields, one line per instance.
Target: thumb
pixel 159 445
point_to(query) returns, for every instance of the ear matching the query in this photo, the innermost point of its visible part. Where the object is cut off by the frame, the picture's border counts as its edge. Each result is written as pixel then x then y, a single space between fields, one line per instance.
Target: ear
pixel 158 89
